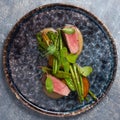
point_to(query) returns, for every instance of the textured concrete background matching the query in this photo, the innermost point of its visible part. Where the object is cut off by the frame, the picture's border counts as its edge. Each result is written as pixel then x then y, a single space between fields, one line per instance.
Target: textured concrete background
pixel 106 10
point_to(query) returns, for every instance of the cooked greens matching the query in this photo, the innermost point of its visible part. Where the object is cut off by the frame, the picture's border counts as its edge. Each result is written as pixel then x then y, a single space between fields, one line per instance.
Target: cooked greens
pixel 63 64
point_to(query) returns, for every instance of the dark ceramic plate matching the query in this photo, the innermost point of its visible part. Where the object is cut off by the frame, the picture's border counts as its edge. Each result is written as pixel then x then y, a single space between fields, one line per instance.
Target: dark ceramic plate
pixel 21 58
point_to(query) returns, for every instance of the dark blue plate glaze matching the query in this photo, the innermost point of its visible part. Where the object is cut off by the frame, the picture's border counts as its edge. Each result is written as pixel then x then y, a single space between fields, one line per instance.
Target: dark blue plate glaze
pixel 21 58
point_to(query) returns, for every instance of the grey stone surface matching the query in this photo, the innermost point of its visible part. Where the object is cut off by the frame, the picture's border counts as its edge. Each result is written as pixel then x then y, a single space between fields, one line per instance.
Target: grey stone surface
pixel 107 11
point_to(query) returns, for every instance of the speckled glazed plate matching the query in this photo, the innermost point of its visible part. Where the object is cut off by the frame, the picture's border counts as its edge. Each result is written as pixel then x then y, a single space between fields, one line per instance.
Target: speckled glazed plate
pixel 21 58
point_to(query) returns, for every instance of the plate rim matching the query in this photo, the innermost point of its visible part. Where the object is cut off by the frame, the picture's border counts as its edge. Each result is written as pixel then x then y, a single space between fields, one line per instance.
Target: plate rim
pixel 29 104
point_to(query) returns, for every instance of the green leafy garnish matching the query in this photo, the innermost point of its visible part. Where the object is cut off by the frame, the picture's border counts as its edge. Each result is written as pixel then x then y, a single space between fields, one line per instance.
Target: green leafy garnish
pixel 66 65
pixel 63 52
pixel 49 85
pixel 39 37
pixel 68 30
pixel 72 58
pixel 86 71
pixel 52 36
pixel 51 49
pixel 63 64
pixel 42 45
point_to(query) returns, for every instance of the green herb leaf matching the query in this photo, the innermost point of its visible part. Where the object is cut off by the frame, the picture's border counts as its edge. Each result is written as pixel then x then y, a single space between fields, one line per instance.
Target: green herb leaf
pixel 39 36
pixel 49 85
pixel 51 49
pixel 66 65
pixel 57 54
pixel 63 52
pixel 52 35
pixel 86 71
pixel 68 30
pixel 42 45
pixel 72 58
